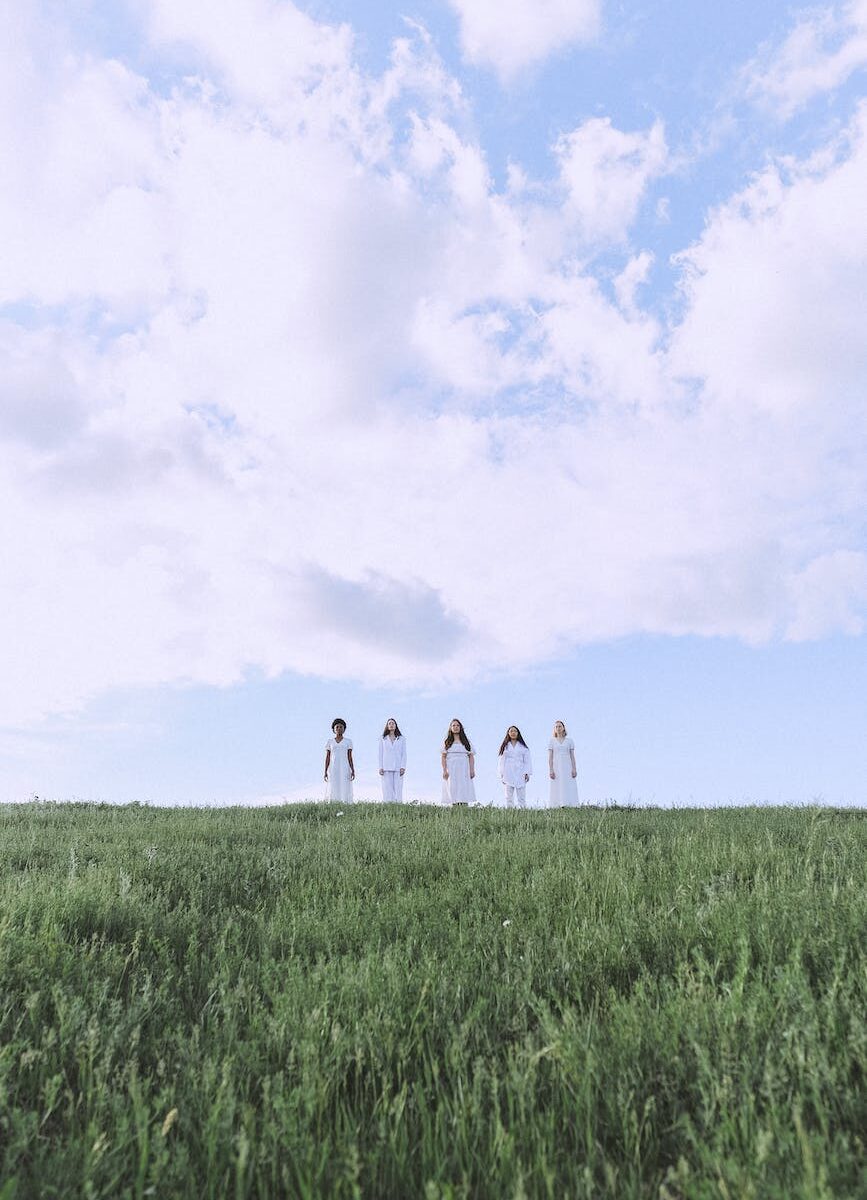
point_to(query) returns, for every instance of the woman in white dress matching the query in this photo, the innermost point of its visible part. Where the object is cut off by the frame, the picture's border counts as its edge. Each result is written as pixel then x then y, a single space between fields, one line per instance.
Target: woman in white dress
pixel 562 769
pixel 516 767
pixel 339 767
pixel 459 766
pixel 392 762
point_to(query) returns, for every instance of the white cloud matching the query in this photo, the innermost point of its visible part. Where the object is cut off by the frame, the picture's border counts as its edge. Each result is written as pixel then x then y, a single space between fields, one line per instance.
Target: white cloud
pixel 510 37
pixel 294 387
pixel 776 315
pixel 260 51
pixel 825 47
pixel 630 279
pixel 606 173
pixel 830 596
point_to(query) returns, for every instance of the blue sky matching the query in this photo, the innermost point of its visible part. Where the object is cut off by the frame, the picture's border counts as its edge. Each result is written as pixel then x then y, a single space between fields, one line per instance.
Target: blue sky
pixel 499 360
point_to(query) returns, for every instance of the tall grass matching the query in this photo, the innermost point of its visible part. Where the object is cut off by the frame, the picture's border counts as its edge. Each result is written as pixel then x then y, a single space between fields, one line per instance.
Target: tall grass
pixel 436 1004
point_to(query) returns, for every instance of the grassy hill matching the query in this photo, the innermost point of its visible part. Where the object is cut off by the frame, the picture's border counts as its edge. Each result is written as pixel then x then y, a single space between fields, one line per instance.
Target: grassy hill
pixel 438 1004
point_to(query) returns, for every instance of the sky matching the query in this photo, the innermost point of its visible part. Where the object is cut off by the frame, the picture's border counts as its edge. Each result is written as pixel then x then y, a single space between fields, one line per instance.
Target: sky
pixel 505 360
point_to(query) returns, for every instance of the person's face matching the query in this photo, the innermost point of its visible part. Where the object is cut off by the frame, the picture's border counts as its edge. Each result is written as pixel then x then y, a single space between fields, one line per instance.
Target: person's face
pixel 455 727
pixel 513 733
pixel 559 729
pixel 339 729
pixel 391 724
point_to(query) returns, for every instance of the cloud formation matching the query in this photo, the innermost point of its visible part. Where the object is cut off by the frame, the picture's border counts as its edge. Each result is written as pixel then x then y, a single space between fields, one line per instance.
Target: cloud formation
pixel 826 46
pixel 511 37
pixel 290 383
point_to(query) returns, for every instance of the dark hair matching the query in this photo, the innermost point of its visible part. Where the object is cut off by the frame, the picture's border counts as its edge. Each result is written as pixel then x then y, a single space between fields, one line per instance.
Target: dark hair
pixel 397 732
pixel 337 721
pixel 450 737
pixel 507 739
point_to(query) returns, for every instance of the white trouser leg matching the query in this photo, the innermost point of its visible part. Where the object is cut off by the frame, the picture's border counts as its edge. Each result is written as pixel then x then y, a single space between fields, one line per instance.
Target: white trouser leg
pixel 515 795
pixel 392 787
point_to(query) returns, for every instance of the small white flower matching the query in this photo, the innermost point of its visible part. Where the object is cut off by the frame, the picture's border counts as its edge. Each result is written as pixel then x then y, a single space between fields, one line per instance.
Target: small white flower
pixel 506 923
pixel 340 814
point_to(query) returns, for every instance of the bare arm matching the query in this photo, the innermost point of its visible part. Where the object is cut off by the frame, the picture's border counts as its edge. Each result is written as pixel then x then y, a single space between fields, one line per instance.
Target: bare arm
pixel 351 764
pixel 472 765
pixel 327 763
pixel 445 768
pixel 574 768
pixel 551 764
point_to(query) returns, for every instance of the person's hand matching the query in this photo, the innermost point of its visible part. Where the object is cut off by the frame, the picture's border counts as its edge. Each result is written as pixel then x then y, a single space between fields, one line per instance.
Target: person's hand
pixel 351 774
pixel 553 776
pixel 382 772
pixel 526 778
pixel 445 774
pixel 402 769
pixel 326 776
pixel 472 774
pixel 574 774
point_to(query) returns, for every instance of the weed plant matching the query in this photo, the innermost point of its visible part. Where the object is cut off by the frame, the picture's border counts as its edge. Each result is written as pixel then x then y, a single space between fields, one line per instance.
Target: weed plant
pixel 404 1002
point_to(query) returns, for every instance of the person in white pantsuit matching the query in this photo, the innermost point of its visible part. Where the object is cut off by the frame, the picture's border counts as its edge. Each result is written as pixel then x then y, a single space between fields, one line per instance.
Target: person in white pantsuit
pixel 516 767
pixel 392 762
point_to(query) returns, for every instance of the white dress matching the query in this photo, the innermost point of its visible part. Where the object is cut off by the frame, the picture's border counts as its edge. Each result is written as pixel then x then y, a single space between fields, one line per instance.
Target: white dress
pixel 339 785
pixel 564 789
pixel 458 788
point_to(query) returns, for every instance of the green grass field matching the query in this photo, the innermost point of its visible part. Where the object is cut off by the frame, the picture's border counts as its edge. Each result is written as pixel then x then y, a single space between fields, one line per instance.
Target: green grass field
pixel 422 1003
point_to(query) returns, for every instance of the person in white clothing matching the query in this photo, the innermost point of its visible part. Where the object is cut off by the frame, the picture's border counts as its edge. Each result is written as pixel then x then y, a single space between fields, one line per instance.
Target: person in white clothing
pixel 516 767
pixel 339 767
pixel 459 766
pixel 392 762
pixel 562 769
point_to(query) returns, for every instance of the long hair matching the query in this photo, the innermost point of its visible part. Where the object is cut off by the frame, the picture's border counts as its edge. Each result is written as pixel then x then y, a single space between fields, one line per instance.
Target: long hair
pixel 507 739
pixel 450 737
pixel 397 732
pixel 554 730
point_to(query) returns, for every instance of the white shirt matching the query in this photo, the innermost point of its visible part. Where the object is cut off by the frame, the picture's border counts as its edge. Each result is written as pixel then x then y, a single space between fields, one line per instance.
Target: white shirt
pixel 392 754
pixel 515 763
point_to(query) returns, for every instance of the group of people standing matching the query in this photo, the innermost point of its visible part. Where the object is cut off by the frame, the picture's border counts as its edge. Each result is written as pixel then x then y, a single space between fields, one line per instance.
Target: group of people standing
pixel 458 761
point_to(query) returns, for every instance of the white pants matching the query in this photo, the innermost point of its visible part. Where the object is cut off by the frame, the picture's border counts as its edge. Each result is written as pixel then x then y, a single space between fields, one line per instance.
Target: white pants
pixel 392 787
pixel 514 794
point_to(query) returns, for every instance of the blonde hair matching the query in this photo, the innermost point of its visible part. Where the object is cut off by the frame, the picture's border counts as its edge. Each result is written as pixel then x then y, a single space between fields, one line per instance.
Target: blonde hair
pixel 554 730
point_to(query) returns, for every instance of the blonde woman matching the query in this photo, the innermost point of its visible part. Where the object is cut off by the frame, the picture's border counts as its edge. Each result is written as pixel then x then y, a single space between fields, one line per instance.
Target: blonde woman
pixel 562 769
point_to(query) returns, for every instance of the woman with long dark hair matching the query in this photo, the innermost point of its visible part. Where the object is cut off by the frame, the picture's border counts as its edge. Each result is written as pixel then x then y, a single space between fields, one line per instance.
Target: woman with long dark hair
pixel 392 762
pixel 516 767
pixel 459 766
